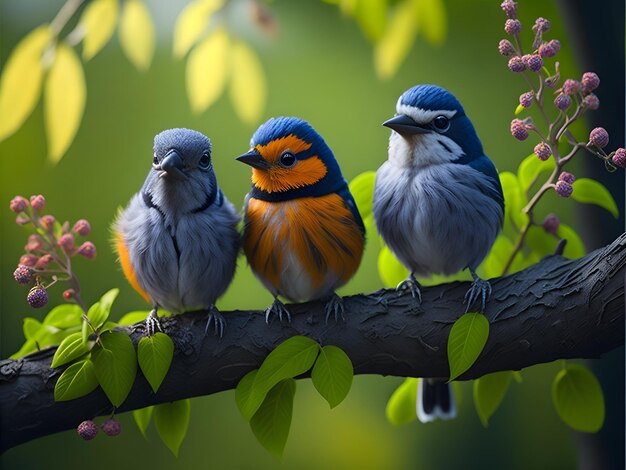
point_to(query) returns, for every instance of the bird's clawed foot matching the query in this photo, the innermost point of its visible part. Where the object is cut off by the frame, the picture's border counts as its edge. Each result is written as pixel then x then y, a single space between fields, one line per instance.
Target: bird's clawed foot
pixel 410 284
pixel 480 289
pixel 152 322
pixel 334 306
pixel 277 308
pixel 218 321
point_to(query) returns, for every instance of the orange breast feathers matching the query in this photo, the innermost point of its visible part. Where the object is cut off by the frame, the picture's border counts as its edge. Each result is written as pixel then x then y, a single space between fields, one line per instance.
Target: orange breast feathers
pixel 320 231
pixel 127 267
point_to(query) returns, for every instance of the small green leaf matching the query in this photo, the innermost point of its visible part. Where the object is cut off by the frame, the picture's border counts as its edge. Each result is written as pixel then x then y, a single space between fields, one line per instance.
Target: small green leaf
pixel 531 168
pixel 116 366
pixel 519 109
pixel 514 199
pixel 402 404
pixel 155 355
pixel 517 376
pixel 332 374
pixel 291 358
pixel 578 398
pixel 574 248
pixel 362 189
pixel 142 418
pixel 76 381
pixel 390 270
pixel 171 421
pixel 242 392
pixel 489 391
pixel 134 317
pixel 372 16
pixel 540 242
pixel 466 341
pixel 271 423
pixel 108 326
pixel 433 22
pixel 64 316
pixel 31 327
pixel 396 42
pixel 70 348
pixel 591 191
pixel 99 312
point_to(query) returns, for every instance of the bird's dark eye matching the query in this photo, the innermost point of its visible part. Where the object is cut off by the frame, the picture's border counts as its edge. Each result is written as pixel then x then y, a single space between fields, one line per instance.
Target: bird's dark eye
pixel 441 123
pixel 155 160
pixel 288 159
pixel 205 161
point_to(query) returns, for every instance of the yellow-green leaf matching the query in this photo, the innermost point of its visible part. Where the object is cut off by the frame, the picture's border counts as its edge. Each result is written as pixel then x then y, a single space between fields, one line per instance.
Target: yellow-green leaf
pixel 142 418
pixel 20 85
pixel 489 391
pixel 574 248
pixel 76 381
pixel 362 189
pixel 530 169
pixel 192 22
pixel 248 90
pixel 578 398
pixel 208 67
pixel 64 101
pixel 401 405
pixel 593 192
pixel 134 317
pixel 466 341
pixel 171 421
pixel 395 44
pixel 514 199
pixel 98 20
pixel 155 354
pixel 137 33
pixel 519 109
pixel 372 18
pixel 390 270
pixel 432 19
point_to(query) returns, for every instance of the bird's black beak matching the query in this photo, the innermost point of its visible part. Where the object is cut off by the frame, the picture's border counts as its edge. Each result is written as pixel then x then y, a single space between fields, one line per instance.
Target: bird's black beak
pixel 172 166
pixel 403 124
pixel 254 159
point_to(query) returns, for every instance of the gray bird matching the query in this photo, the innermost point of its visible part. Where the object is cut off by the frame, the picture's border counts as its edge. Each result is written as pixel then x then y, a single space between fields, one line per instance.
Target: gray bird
pixel 178 240
pixel 438 204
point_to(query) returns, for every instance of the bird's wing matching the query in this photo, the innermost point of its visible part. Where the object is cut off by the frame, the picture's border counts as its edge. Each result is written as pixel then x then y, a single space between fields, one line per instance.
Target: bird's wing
pixel 486 167
pixel 349 200
pixel 127 267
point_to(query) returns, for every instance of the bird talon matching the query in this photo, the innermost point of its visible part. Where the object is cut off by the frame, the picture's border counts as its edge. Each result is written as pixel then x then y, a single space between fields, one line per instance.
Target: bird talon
pixel 335 306
pixel 479 289
pixel 152 323
pixel 277 308
pixel 412 286
pixel 218 322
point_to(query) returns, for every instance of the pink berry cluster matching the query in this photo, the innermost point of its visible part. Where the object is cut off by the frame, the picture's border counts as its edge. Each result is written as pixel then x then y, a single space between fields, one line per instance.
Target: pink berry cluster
pixel 48 251
pixel 88 429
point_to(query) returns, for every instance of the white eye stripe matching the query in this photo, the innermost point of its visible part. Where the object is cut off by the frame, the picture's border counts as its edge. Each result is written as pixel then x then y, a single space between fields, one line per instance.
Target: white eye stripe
pixel 423 116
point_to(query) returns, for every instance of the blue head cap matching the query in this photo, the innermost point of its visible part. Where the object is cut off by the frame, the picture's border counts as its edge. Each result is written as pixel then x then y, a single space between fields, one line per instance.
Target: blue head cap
pixel 282 127
pixel 431 98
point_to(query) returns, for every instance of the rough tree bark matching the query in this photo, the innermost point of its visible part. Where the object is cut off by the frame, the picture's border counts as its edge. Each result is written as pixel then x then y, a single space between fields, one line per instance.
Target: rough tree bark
pixel 556 309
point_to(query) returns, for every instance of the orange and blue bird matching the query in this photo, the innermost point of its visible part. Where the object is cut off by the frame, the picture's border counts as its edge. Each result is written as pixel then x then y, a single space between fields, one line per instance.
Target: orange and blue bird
pixel 303 235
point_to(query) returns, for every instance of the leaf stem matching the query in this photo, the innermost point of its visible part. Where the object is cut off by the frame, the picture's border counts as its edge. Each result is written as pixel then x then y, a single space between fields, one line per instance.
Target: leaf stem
pixel 64 15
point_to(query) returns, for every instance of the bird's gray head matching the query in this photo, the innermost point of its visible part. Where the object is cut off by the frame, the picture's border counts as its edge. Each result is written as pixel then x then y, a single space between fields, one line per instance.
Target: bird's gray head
pixel 430 127
pixel 182 175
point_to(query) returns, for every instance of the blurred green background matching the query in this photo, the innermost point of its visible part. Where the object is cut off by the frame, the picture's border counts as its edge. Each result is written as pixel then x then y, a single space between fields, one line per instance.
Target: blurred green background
pixel 319 68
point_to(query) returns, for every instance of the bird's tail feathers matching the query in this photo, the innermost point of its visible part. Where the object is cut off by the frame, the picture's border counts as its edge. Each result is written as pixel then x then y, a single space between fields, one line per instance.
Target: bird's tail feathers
pixel 435 400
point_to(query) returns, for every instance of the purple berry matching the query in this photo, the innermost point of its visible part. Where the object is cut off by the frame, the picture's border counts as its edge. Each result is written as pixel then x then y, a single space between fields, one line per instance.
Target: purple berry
pixel 518 129
pixel 599 137
pixel 506 48
pixel 543 151
pixel 563 189
pixel 512 26
pixel 516 64
pixel 567 177
pixel 88 250
pixel 22 274
pixel 541 25
pixel 112 427
pixel 18 204
pixel 551 223
pixel 87 430
pixel 37 297
pixel 38 202
pixel 619 158
pixel 590 81
pixel 526 99
pixel 534 62
pixel 562 101
pixel 509 7
pixel 571 87
pixel 82 227
pixel 591 101
pixel 549 49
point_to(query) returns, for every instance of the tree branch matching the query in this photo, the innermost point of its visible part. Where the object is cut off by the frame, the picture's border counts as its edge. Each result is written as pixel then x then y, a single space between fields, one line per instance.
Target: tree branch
pixel 555 309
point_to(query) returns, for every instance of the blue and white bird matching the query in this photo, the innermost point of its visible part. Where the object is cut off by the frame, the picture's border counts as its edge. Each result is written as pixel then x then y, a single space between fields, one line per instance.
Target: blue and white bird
pixel 438 204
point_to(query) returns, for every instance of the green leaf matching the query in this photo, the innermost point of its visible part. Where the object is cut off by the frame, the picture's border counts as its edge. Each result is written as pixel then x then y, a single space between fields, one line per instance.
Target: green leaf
pixel 390 270
pixel 137 34
pixel 362 189
pixel 519 109
pixel 64 316
pixel 171 421
pixel 108 326
pixel 332 374
pixel 371 16
pixel 248 85
pixel 540 242
pixel 142 418
pixel 591 191
pixel 289 359
pixel 76 381
pixel 242 392
pixel 116 366
pixel 397 40
pixel 99 312
pixel 98 19
pixel 514 200
pixel 433 22
pixel 531 168
pixel 134 317
pixel 489 391
pixel 31 327
pixel 271 423
pixel 155 355
pixel 401 405
pixel 574 248
pixel 70 348
pixel 578 398
pixel 501 251
pixel 466 341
